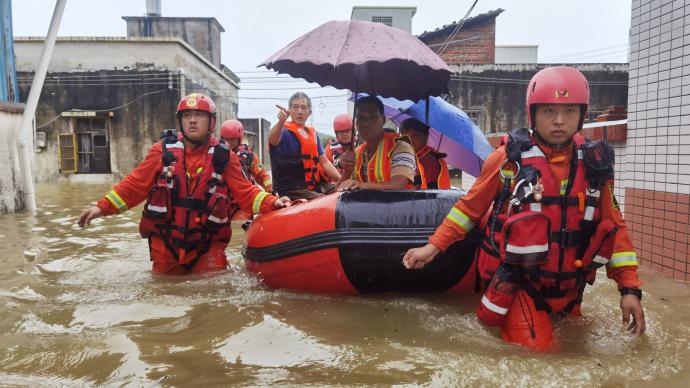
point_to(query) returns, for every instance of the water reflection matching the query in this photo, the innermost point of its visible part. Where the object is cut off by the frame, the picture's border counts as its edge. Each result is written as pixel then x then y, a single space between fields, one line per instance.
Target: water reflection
pixel 80 307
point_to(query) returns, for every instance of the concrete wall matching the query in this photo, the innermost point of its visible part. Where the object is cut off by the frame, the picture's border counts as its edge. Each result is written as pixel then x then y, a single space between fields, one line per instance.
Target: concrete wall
pixel 201 33
pixel 496 93
pixel 516 54
pixel 139 80
pixel 657 161
pixel 11 187
pixel 402 16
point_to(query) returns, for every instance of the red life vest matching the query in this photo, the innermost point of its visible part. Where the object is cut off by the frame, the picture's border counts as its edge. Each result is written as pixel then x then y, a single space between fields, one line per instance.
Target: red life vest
pixel 378 169
pixel 548 246
pixel 427 156
pixel 188 219
pixel 337 150
pixel 246 156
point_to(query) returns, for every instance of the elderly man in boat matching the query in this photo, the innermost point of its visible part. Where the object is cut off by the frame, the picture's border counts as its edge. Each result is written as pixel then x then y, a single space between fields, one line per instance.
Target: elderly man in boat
pixel 385 161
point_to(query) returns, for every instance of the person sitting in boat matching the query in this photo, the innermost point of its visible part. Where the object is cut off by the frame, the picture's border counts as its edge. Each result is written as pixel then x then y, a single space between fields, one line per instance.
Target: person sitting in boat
pixel 342 126
pixel 188 180
pixel 565 221
pixel 296 152
pixel 232 131
pixel 385 161
pixel 433 168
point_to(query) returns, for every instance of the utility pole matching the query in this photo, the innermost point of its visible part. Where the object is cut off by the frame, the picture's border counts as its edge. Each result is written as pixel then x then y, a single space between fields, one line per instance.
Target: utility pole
pixel 24 132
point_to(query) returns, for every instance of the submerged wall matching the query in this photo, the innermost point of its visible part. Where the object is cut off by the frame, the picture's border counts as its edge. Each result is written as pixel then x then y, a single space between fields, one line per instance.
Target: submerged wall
pixel 11 188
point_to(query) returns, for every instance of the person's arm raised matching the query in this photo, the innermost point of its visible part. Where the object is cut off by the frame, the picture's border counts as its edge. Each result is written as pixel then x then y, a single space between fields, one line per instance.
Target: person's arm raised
pixel 277 128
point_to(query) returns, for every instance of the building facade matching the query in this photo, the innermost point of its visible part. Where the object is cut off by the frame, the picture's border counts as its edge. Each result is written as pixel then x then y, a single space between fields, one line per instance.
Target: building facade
pixel 656 170
pixel 396 17
pixel 494 95
pixel 106 100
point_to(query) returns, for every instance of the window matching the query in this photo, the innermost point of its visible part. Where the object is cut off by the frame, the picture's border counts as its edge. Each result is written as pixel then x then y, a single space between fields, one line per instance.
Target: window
pixel 387 20
pixel 477 116
pixel 67 153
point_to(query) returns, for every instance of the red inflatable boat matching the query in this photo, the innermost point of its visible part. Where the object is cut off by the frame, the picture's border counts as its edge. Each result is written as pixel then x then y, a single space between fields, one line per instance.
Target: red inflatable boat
pixel 353 242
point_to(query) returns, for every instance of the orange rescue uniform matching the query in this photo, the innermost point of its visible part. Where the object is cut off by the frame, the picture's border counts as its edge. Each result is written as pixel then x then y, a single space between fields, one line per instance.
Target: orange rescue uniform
pixel 468 211
pixel 135 187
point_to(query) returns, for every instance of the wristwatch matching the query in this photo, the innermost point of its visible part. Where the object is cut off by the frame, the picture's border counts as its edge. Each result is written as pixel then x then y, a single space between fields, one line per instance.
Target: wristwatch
pixel 634 291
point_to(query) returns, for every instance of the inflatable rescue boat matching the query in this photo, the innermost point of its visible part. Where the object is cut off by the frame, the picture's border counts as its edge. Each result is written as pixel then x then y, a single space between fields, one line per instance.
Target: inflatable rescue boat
pixel 353 242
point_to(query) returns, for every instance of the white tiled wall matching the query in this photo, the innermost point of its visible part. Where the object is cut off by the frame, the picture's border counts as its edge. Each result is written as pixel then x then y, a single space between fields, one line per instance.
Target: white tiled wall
pixel 657 155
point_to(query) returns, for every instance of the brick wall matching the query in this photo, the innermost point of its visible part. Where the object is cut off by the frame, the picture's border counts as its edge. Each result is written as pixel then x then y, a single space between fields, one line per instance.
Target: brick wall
pixel 656 169
pixel 476 44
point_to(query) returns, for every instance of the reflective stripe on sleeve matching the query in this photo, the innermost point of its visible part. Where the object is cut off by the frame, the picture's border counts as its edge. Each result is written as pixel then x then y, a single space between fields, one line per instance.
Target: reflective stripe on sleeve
pixel 117 201
pixel 258 200
pixel 621 259
pixel 460 219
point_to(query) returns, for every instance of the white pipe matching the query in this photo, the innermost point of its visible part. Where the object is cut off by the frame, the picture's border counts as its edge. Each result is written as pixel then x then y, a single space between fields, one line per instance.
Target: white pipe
pixel 24 130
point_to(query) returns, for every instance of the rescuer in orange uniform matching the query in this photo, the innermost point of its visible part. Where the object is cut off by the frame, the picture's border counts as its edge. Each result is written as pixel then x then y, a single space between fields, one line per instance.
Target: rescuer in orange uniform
pixel 342 126
pixel 555 219
pixel 188 181
pixel 232 131
pixel 433 165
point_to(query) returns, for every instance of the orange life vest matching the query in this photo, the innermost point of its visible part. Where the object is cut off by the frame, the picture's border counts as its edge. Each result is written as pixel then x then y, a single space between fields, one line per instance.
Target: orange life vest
pixel 378 169
pixel 188 218
pixel 430 155
pixel 301 170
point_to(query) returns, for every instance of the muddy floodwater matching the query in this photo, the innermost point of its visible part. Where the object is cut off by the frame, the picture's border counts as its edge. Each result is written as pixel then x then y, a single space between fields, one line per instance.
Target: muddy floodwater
pixel 81 308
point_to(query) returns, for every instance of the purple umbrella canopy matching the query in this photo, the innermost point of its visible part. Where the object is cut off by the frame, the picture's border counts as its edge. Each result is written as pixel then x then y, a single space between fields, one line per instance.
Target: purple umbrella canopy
pixel 364 57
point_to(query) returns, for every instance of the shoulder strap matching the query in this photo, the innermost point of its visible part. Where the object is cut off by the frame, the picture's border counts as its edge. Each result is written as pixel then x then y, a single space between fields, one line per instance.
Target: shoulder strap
pixel 221 156
pixel 518 141
pixel 168 136
pixel 598 158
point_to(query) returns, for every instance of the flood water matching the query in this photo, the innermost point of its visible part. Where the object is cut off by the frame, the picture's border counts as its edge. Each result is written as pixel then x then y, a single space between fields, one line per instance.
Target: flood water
pixel 81 308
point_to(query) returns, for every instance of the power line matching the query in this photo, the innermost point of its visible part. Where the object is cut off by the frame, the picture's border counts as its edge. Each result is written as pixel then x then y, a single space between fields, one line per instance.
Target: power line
pixel 457 28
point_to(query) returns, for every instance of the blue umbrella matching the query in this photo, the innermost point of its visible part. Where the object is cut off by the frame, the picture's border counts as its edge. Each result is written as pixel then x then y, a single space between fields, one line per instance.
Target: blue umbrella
pixel 452 131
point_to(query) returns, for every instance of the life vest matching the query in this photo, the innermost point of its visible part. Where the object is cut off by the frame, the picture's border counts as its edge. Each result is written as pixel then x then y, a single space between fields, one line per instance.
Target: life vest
pixel 188 219
pixel 246 156
pixel 298 171
pixel 551 244
pixel 378 169
pixel 429 155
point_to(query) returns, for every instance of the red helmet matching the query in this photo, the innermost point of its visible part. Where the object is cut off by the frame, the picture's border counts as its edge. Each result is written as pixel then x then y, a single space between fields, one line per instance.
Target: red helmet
pixel 198 101
pixel 557 85
pixel 342 122
pixel 232 129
